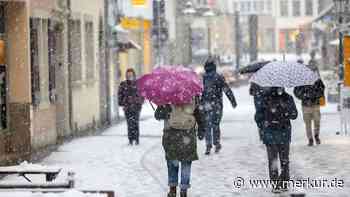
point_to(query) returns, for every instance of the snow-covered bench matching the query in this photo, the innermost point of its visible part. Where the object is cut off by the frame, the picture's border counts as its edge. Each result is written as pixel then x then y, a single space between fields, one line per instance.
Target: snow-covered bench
pixel 31 169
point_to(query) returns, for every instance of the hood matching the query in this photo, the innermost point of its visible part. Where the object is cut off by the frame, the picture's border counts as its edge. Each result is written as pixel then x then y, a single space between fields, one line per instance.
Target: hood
pixel 313 65
pixel 210 66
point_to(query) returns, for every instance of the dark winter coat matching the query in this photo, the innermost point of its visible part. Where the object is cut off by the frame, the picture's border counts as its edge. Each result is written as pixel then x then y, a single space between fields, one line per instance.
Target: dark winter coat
pixel 257 92
pixel 128 96
pixel 273 117
pixel 214 87
pixel 178 144
pixel 310 95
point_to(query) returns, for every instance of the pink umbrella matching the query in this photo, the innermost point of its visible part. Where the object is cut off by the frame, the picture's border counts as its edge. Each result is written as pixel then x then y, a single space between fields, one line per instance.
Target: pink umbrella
pixel 170 85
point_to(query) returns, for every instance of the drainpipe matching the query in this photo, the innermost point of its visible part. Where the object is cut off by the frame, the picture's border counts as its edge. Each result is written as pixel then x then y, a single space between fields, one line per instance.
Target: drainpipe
pixel 70 89
pixel 107 61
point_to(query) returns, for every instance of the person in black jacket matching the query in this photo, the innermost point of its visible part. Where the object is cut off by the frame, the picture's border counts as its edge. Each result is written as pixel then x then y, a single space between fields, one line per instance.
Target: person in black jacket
pixel 257 92
pixel 273 116
pixel 212 101
pixel 310 97
pixel 131 102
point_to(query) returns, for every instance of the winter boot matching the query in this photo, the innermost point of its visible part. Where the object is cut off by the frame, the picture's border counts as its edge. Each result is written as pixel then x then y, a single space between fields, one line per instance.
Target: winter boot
pixel 317 138
pixel 130 142
pixel 172 192
pixel 207 151
pixel 218 148
pixel 183 193
pixel 137 142
pixel 311 142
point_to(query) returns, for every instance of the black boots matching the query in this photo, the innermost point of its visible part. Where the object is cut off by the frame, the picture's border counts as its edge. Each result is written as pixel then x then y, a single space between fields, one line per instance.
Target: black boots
pixel 207 151
pixel 218 148
pixel 183 193
pixel 311 142
pixel 317 139
pixel 172 192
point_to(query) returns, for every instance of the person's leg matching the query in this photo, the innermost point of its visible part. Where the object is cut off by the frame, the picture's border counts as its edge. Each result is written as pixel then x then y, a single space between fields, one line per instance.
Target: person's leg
pixel 284 160
pixel 216 129
pixel 272 156
pixel 307 115
pixel 317 123
pixel 137 127
pixel 128 117
pixel 209 132
pixel 173 173
pixel 217 136
pixel 185 175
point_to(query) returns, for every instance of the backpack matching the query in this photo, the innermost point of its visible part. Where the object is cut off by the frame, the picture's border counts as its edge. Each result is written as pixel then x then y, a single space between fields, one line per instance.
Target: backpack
pixel 181 116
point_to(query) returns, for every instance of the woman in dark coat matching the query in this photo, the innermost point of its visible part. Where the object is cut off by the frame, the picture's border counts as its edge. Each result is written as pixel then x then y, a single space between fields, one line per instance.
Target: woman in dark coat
pixel 180 148
pixel 273 116
pixel 131 102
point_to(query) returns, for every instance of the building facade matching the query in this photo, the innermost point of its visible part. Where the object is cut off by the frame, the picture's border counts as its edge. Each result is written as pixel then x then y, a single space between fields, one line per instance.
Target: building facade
pixel 52 55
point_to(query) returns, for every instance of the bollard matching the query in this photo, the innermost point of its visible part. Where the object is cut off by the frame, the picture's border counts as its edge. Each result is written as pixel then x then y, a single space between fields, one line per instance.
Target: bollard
pixel 70 179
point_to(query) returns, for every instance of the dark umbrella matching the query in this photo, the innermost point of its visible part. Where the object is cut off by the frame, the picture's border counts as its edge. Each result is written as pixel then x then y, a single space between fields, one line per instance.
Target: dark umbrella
pixel 253 67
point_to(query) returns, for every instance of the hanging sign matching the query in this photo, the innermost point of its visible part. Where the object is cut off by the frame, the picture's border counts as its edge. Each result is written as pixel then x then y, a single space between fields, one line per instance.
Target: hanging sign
pixel 139 2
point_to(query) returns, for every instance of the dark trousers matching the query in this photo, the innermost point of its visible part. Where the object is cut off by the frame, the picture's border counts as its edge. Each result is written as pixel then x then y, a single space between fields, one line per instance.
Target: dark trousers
pixel 213 132
pixel 281 152
pixel 133 121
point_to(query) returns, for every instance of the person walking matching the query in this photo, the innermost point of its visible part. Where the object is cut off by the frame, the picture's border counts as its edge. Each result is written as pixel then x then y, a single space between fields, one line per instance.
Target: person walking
pixel 131 102
pixel 273 116
pixel 310 97
pixel 256 91
pixel 212 101
pixel 179 143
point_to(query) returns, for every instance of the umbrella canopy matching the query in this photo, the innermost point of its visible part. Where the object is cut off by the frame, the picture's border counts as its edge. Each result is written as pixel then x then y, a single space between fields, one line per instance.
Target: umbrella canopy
pixel 284 74
pixel 253 67
pixel 170 85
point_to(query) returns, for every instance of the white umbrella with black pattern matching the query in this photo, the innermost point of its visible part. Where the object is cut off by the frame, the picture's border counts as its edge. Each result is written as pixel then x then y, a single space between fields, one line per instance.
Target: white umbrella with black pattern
pixel 284 74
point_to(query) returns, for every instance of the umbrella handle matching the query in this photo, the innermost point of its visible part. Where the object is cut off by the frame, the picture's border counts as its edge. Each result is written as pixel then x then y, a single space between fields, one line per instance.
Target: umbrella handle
pixel 154 109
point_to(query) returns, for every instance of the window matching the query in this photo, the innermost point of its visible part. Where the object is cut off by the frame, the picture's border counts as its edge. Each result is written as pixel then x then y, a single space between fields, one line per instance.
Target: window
pixel 309 8
pixel 235 6
pixel 321 5
pixel 261 6
pixel 284 8
pixel 269 6
pixel 34 60
pixel 255 6
pixel 296 8
pixel 75 50
pixel 89 50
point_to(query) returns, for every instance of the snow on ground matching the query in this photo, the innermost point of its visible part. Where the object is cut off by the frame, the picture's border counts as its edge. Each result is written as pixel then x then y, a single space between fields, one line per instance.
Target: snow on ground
pixel 106 162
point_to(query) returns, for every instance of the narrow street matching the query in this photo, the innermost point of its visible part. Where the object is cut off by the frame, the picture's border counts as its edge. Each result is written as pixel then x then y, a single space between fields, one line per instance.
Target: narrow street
pixel 107 162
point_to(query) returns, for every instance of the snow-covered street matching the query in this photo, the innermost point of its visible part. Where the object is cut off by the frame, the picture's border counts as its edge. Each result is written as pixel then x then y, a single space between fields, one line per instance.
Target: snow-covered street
pixel 107 162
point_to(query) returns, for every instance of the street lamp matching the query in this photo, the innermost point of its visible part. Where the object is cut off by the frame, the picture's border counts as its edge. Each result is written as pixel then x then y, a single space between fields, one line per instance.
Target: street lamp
pixel 209 14
pixel 341 8
pixel 189 12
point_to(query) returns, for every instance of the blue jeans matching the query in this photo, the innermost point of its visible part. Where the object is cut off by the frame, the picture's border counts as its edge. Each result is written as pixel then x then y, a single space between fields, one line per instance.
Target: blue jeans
pixel 173 173
pixel 212 134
